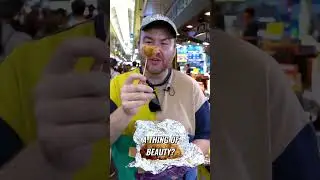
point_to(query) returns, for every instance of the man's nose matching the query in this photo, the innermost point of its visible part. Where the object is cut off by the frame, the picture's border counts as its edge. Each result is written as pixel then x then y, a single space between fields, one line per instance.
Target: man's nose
pixel 157 51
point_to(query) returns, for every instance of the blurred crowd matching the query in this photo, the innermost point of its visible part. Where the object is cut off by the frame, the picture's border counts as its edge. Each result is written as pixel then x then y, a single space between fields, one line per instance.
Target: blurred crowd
pixel 120 67
pixel 36 22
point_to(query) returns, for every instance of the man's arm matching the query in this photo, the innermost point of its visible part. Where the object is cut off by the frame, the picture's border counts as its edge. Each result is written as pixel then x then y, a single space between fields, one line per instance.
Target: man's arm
pixel 202 132
pixel 300 160
pixel 293 140
pixel 118 121
pixel 134 96
pixel 118 118
pixel 202 119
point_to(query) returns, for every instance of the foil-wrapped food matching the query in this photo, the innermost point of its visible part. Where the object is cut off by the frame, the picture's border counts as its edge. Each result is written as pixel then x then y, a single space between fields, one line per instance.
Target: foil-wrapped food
pixel 161 145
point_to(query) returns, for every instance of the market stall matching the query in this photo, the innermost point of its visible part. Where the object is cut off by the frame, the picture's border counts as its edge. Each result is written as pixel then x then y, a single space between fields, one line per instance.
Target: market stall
pixel 194 54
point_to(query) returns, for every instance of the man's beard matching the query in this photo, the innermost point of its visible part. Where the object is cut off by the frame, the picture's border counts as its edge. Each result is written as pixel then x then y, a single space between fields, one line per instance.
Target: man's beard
pixel 159 71
pixel 154 72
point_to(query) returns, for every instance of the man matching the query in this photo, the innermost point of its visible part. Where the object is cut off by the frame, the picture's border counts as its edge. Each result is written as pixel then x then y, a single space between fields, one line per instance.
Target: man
pixel 179 97
pixel 219 18
pixel 188 69
pixel 91 10
pixel 41 137
pixel 113 65
pixel 260 130
pixel 9 37
pixel 61 17
pixel 78 7
pixel 251 28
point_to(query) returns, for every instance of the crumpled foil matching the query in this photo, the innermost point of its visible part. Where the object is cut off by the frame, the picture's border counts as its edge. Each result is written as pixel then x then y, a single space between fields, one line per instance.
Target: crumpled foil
pixel 192 155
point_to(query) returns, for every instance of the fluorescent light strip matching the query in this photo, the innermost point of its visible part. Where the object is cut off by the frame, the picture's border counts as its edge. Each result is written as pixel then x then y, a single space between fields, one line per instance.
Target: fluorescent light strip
pixel 122 14
pixel 114 23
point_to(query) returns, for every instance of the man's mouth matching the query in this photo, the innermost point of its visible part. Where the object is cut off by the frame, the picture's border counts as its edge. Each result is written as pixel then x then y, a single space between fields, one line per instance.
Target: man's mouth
pixel 154 59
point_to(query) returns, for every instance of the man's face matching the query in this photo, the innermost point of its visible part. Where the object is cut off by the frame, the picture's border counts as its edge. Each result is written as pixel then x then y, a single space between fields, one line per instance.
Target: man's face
pixel 161 38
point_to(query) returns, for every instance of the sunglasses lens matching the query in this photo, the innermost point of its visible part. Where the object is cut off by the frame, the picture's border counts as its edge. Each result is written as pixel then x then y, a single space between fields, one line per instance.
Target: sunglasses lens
pixel 154 105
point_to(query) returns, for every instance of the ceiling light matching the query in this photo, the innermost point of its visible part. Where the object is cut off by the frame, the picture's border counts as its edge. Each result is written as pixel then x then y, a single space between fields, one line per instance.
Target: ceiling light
pixel 206 43
pixel 189 26
pixel 207 13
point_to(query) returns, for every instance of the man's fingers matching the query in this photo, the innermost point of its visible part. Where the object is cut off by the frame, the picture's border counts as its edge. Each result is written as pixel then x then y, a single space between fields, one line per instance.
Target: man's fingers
pixel 68 53
pixel 70 111
pixel 134 77
pixel 133 104
pixel 72 136
pixel 73 85
pixel 137 88
pixel 137 96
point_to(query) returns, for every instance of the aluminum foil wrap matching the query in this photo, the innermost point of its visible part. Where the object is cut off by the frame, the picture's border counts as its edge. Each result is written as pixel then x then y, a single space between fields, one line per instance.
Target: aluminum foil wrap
pixel 191 157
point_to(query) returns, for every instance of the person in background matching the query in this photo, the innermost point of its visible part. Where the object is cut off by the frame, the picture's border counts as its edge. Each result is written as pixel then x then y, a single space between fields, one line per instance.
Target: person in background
pixel 251 27
pixel 9 37
pixel 113 68
pixel 33 24
pixel 188 69
pixel 78 7
pixel 219 18
pixel 134 65
pixel 91 10
pixel 120 68
pixel 61 17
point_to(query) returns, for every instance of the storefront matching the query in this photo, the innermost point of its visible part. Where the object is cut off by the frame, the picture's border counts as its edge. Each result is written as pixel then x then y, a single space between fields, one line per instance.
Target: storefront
pixel 194 54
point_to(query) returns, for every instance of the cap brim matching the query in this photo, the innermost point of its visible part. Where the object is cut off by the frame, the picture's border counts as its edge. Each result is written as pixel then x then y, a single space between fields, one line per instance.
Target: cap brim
pixel 157 22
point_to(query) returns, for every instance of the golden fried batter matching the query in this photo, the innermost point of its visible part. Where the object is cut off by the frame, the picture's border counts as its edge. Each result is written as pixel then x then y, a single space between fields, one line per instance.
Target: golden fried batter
pixel 149 51
pixel 175 155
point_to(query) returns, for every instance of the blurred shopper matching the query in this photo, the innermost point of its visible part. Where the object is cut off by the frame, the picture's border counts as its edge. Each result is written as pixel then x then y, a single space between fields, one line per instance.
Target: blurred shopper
pixel 91 10
pixel 120 68
pixel 134 65
pixel 52 108
pixel 188 69
pixel 113 68
pixel 33 24
pixel 251 27
pixel 219 18
pixel 78 7
pixel 130 102
pixel 61 17
pixel 9 37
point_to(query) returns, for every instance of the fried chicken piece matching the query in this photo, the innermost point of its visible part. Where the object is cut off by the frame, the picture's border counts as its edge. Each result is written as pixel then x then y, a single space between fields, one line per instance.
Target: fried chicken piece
pixel 149 51
pixel 177 153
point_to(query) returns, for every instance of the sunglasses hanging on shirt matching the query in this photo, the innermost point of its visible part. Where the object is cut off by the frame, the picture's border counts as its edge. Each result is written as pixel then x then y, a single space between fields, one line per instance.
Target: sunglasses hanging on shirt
pixel 154 104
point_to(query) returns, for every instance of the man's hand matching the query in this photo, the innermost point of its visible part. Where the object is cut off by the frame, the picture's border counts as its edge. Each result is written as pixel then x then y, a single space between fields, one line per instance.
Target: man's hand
pixel 70 107
pixel 134 96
